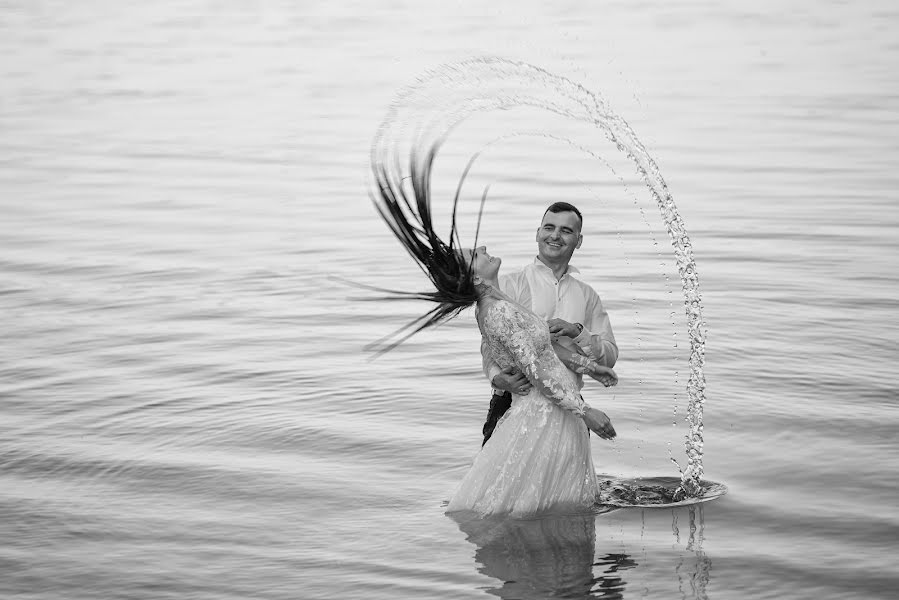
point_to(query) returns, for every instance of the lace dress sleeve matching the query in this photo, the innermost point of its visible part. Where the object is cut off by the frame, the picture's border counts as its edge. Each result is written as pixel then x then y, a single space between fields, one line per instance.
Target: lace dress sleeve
pixel 586 365
pixel 527 343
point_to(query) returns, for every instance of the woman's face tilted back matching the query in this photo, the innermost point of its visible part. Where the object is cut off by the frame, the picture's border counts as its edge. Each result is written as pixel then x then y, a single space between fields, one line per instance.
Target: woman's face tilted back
pixel 485 267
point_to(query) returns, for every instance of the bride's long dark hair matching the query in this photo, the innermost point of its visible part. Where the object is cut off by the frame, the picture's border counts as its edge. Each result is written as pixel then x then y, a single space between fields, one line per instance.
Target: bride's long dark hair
pixel 405 205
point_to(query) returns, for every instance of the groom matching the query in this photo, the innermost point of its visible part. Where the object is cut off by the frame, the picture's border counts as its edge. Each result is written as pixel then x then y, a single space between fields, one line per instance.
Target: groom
pixel 572 308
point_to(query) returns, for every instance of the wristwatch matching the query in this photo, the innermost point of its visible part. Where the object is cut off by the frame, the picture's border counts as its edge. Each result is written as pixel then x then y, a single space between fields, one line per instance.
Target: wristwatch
pixel 580 328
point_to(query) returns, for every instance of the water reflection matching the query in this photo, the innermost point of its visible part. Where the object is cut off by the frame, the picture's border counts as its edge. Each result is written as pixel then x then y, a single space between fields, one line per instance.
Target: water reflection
pixel 610 585
pixel 693 573
pixel 555 556
pixel 542 557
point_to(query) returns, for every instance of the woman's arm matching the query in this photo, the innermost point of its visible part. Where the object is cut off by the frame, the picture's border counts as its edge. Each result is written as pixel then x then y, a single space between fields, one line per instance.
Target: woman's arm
pixel 585 365
pixel 518 336
pixel 596 420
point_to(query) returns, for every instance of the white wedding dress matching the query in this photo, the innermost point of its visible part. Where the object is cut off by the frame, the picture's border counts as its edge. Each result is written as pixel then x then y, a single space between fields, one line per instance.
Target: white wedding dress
pixel 538 458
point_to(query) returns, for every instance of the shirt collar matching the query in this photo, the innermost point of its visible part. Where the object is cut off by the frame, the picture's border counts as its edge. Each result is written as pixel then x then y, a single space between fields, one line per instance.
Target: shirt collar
pixel 540 265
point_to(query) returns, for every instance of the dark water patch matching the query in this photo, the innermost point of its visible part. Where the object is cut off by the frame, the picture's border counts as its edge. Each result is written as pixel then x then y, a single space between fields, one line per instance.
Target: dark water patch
pixel 148 478
pixel 26 374
pixel 39 465
pixel 804 582
pixel 47 268
pixel 355 440
pixel 178 154
pixel 793 414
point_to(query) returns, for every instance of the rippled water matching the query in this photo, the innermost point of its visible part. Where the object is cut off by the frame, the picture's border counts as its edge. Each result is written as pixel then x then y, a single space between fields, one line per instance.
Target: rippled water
pixel 185 409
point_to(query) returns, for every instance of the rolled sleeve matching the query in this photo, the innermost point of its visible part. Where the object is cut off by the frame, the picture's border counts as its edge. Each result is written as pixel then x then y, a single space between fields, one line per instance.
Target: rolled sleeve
pixel 597 337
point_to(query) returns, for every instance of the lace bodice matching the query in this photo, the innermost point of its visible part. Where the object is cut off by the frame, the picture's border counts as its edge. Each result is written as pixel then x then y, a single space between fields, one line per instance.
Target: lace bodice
pixel 519 338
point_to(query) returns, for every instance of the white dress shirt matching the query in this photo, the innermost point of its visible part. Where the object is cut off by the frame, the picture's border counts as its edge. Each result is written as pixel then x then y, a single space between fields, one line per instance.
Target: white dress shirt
pixel 568 298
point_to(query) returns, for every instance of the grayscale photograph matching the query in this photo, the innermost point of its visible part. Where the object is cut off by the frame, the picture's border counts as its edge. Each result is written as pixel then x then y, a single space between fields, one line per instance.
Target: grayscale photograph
pixel 309 300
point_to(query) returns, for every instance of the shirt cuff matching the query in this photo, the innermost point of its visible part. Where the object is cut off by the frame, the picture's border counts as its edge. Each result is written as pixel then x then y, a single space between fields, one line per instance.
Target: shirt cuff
pixel 492 371
pixel 583 338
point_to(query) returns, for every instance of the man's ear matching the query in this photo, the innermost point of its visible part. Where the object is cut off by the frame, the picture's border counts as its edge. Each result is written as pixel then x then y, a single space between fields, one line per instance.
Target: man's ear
pixel 580 240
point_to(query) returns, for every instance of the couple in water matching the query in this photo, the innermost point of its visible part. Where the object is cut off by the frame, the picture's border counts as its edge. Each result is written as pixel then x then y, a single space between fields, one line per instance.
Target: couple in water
pixel 542 331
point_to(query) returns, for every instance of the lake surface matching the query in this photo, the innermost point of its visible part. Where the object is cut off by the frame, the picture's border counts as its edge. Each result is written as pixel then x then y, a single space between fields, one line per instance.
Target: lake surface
pixel 186 409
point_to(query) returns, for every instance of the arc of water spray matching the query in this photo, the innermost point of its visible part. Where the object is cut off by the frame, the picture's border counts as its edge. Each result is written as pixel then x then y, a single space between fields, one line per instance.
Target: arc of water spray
pixel 503 84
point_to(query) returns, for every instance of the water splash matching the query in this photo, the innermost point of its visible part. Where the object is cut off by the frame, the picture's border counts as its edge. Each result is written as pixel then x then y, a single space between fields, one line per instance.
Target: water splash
pixel 653 492
pixel 427 112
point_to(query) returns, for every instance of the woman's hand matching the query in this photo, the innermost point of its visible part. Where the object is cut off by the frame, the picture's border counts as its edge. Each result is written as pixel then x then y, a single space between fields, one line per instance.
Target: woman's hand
pixel 604 375
pixel 599 423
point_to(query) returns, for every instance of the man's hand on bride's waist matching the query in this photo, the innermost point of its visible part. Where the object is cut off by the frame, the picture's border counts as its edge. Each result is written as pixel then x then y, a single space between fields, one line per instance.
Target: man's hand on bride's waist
pixel 560 327
pixel 511 380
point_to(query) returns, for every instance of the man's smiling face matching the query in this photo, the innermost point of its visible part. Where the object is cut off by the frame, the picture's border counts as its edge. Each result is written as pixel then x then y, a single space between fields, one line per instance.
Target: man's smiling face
pixel 558 237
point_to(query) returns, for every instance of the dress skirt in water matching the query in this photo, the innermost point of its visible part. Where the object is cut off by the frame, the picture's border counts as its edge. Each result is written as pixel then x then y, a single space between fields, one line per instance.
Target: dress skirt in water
pixel 538 460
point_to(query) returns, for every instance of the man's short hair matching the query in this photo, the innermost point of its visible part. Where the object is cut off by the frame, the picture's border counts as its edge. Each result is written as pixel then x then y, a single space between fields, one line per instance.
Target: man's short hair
pixel 557 207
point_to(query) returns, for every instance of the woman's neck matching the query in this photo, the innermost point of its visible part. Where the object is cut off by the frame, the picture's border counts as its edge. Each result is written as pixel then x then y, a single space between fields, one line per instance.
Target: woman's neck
pixel 489 292
pixel 490 283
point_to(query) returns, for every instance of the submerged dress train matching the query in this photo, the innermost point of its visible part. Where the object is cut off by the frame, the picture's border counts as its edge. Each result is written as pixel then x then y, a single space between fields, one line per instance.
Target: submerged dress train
pixel 538 458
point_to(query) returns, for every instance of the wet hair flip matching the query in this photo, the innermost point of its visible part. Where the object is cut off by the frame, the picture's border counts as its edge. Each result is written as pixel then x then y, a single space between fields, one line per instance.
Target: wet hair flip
pixel 405 205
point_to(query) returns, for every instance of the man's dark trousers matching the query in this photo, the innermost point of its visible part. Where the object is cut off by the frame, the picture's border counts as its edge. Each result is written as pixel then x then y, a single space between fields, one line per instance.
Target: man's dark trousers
pixel 499 404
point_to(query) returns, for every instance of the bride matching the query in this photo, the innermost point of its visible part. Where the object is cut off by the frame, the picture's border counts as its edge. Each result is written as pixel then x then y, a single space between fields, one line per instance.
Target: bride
pixel 539 456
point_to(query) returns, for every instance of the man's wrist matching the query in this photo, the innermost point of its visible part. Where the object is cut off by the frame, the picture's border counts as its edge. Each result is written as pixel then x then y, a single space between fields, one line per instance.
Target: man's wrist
pixel 579 336
pixel 492 372
pixel 496 389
